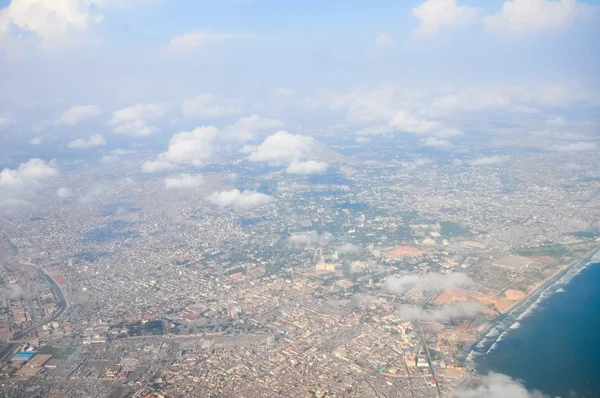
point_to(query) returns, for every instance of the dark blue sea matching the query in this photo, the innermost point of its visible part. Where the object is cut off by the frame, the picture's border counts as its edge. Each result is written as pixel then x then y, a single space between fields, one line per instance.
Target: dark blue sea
pixel 556 348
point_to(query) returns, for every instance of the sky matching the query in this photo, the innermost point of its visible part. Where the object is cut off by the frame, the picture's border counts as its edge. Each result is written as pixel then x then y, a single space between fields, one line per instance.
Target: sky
pixel 84 74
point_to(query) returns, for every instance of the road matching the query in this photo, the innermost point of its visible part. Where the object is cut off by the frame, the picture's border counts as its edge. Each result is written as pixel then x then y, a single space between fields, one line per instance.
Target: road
pixel 58 294
pixel 424 342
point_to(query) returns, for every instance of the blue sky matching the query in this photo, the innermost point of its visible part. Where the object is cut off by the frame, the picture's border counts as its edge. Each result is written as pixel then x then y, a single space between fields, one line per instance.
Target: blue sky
pixel 450 62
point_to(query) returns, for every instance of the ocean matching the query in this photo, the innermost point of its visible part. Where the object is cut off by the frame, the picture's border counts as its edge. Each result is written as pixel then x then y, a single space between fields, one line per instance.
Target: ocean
pixel 554 345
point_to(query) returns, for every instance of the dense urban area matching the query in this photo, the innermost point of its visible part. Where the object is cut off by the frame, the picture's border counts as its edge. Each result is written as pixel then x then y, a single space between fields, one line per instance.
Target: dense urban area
pixel 376 277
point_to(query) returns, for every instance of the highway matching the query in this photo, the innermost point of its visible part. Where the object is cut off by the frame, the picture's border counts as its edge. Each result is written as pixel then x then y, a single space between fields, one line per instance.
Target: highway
pixel 58 294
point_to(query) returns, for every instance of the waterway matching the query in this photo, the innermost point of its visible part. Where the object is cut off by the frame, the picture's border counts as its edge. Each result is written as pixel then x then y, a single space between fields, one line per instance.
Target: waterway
pixel 553 346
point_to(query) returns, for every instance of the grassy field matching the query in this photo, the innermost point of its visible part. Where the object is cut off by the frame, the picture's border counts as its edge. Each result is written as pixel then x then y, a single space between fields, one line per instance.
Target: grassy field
pixel 551 250
pixel 57 352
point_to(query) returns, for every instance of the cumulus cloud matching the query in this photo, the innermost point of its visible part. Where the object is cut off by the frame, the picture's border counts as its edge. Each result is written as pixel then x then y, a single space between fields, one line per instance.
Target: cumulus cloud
pixel 33 171
pixel 426 282
pixel 495 385
pixel 54 22
pixel 384 111
pixel 81 143
pixel 407 123
pixel 135 120
pixel 308 167
pixel 362 140
pixel 235 198
pixel 436 143
pixel 182 44
pixel 50 21
pixel 444 313
pixel 525 16
pixel 63 192
pixel 580 146
pixel 208 105
pixel 192 147
pixel 283 147
pixel 35 141
pixel 384 40
pixel 78 114
pixel 155 166
pixel 488 161
pixel 184 181
pixel 350 248
pixel 246 128
pixel 306 238
pixel 437 14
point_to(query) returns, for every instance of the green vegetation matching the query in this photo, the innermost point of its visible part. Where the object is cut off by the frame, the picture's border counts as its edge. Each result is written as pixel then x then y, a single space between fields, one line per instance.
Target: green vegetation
pixel 57 352
pixel 588 234
pixel 552 250
pixel 449 228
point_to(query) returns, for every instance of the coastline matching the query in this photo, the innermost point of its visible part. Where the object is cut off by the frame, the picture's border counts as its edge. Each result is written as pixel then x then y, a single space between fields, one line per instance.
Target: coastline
pixel 496 330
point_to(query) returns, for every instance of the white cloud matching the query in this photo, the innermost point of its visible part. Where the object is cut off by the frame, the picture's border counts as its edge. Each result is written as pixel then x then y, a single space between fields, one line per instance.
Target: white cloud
pixel 81 143
pixel 427 282
pixel 6 120
pixel 495 385
pixel 470 100
pixel 283 147
pixel 246 128
pixel 525 16
pixel 350 248
pixel 35 141
pixel 384 40
pixel 407 123
pixel 208 105
pixel 63 192
pixel 33 171
pixel 184 181
pixel 235 198
pixel 193 147
pixel 55 21
pixel 436 143
pixel 422 162
pixel 120 152
pixel 155 166
pixel 135 120
pixel 488 161
pixel 556 121
pixel 189 41
pixel 11 291
pixel 306 238
pixel 437 14
pixel 110 159
pixel 308 167
pixel 384 111
pixel 50 21
pixel 78 114
pixel 362 140
pixel 580 146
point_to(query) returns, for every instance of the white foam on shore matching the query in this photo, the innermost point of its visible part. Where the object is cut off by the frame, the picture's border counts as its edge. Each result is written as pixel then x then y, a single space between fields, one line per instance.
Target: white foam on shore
pixel 547 293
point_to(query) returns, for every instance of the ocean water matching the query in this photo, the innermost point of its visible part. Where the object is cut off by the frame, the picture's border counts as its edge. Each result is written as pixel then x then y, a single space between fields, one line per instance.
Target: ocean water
pixel 555 348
